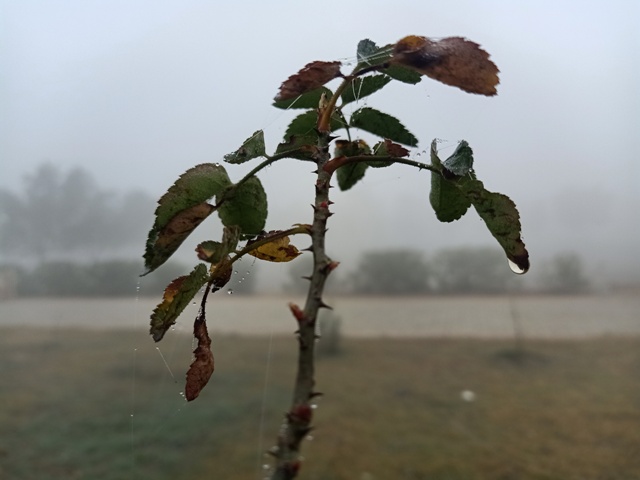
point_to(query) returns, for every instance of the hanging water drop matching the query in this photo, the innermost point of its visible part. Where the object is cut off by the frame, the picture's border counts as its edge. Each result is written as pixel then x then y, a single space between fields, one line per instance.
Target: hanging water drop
pixel 230 292
pixel 515 268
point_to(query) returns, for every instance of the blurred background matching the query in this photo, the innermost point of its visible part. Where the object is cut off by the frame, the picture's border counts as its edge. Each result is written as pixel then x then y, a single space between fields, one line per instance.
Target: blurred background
pixel 105 103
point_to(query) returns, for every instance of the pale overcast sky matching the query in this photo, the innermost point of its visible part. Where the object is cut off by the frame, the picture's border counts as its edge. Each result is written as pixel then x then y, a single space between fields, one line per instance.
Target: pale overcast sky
pixel 139 91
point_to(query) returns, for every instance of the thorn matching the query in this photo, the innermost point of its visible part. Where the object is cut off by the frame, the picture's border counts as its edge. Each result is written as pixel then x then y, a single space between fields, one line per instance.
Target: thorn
pixel 330 202
pixel 306 277
pixel 331 138
pixel 315 394
pixel 324 305
pixel 308 249
pixel 329 214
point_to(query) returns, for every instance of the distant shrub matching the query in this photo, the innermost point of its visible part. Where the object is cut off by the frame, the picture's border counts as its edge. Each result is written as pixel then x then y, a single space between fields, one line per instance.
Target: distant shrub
pixel 565 273
pixel 391 272
pixel 105 278
pixel 471 270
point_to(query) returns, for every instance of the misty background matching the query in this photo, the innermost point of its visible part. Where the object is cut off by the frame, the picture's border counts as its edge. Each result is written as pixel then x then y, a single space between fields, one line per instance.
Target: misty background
pixel 131 94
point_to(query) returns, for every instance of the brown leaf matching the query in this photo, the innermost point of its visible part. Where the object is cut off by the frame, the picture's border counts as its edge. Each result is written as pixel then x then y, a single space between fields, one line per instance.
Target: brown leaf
pixel 202 366
pixel 312 76
pixel 181 225
pixel 395 150
pixel 454 61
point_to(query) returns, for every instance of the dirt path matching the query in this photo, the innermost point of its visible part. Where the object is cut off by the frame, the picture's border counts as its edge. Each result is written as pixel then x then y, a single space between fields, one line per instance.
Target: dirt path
pixel 540 317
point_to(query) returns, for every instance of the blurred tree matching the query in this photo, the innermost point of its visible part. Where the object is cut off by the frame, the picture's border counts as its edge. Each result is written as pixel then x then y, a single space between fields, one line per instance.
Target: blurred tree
pixel 564 273
pixel 60 213
pixel 471 270
pixel 391 272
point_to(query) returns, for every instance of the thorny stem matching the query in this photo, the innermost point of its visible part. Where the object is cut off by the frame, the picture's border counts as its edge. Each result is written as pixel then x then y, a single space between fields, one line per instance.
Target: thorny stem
pixel 297 422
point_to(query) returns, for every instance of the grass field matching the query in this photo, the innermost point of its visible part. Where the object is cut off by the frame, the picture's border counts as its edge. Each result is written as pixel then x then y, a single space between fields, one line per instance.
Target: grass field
pixel 392 409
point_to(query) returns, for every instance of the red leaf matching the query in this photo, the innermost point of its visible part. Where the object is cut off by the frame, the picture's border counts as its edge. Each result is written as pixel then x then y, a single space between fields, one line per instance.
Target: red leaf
pixel 454 61
pixel 202 366
pixel 312 76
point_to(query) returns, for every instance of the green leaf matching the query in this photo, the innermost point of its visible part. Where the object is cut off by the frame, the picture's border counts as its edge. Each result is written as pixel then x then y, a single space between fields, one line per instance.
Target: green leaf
pixel 177 296
pixel 348 175
pixel 386 148
pixel 253 147
pixel 364 86
pixel 451 195
pixel 461 161
pixel 245 205
pixel 402 74
pixel 304 125
pixel 306 100
pixel 383 125
pixel 448 202
pixel 369 54
pixel 181 210
pixel 366 48
pixel 502 219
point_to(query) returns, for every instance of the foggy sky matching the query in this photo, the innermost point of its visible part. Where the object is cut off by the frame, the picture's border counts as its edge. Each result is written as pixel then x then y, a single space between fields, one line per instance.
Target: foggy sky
pixel 139 91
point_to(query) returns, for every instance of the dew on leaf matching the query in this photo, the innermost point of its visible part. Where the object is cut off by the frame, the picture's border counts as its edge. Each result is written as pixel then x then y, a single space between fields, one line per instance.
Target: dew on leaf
pixel 515 268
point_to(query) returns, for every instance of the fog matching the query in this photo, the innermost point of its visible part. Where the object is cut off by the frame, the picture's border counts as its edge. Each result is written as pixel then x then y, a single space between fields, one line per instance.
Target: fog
pixel 137 92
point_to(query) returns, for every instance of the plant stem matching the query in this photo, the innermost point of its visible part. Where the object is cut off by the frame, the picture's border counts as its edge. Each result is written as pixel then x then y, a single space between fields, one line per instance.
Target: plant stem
pixel 297 422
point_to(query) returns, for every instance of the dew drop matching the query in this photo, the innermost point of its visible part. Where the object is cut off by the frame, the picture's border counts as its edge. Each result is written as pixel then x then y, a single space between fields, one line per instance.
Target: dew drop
pixel 515 268
pixel 314 406
pixel 235 272
pixel 266 466
pixel 310 437
pixel 230 292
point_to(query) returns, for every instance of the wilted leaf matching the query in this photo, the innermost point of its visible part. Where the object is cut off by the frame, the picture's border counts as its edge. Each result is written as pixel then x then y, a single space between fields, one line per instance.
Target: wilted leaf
pixel 387 148
pixel 312 76
pixel 202 366
pixel 454 61
pixel 302 147
pixel 214 252
pixel 364 86
pixel 252 147
pixel 177 296
pixel 181 210
pixel 245 206
pixel 384 125
pixel 169 238
pixel 448 202
pixel 277 250
pixel 306 100
pixel 461 160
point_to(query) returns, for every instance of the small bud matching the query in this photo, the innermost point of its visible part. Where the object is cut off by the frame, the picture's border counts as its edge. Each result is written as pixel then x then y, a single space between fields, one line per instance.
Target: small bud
pixel 297 312
pixel 301 413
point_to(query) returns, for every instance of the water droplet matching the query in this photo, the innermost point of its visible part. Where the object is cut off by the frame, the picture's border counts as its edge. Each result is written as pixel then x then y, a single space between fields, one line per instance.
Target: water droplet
pixel 515 268
pixel 235 272
pixel 229 292
pixel 310 437
pixel 266 466
pixel 248 272
pixel 132 415
pixel 314 406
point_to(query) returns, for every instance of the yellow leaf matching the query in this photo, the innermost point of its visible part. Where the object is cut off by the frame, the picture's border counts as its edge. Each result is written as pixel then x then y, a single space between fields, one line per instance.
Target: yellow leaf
pixel 277 250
